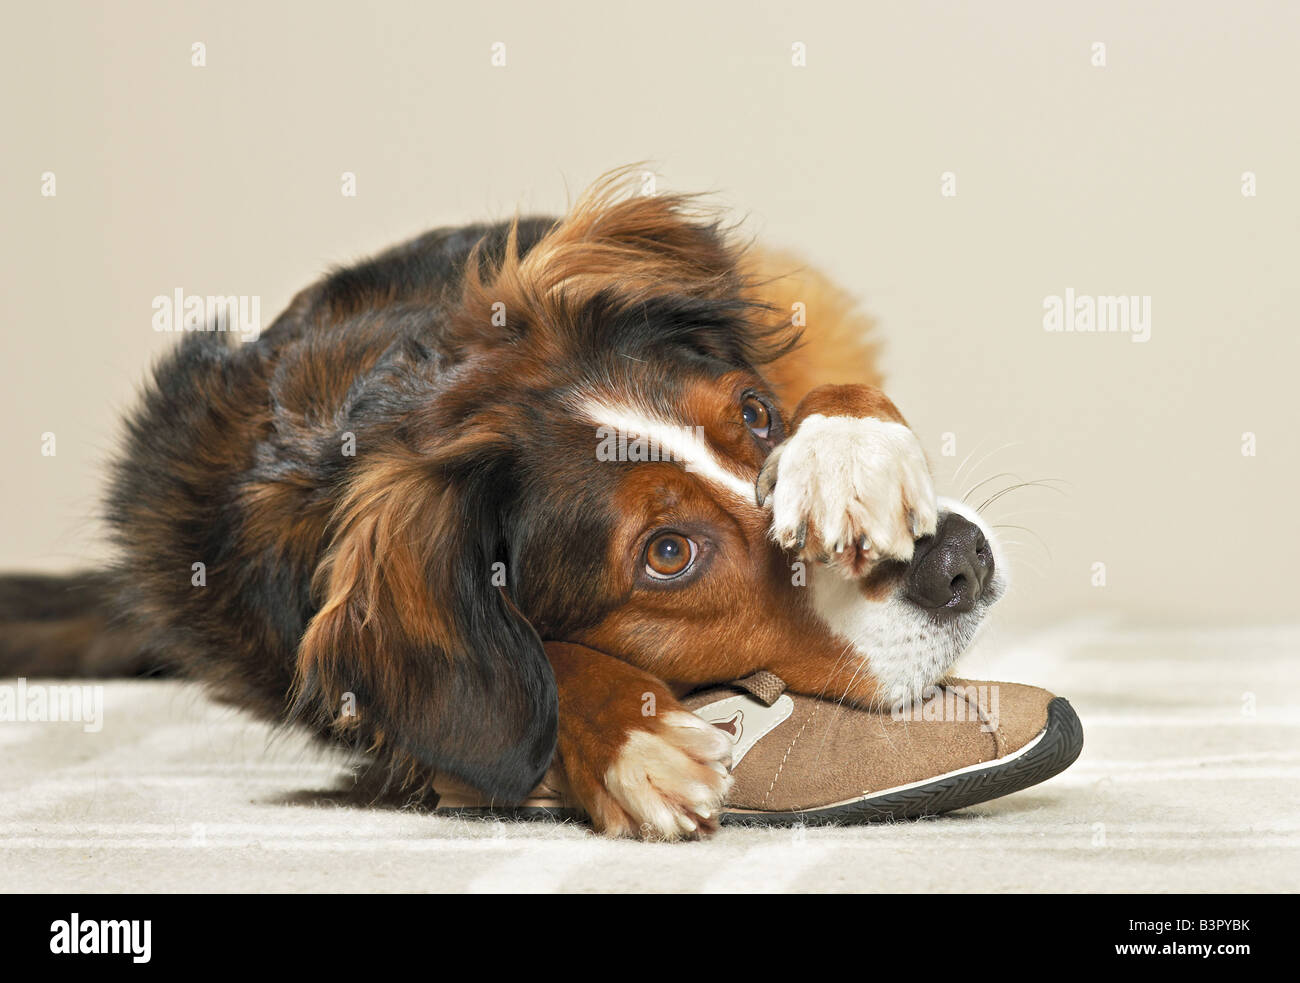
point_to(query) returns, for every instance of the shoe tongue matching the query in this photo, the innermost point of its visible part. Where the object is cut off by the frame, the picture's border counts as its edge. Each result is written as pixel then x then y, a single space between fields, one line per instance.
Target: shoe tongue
pixel 763 686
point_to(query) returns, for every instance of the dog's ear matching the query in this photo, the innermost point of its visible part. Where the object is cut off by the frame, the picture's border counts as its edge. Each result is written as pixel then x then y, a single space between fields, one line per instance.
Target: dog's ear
pixel 416 650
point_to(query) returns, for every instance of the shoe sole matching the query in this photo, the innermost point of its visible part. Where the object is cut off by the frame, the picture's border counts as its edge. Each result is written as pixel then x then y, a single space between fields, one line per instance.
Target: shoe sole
pixel 1056 747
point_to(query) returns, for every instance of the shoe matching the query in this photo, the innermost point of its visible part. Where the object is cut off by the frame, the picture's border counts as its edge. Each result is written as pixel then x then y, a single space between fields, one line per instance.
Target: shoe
pixel 797 759
pixel 800 760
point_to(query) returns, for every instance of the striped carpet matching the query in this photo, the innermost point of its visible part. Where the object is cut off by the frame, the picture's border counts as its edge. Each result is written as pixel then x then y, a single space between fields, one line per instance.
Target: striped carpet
pixel 1187 782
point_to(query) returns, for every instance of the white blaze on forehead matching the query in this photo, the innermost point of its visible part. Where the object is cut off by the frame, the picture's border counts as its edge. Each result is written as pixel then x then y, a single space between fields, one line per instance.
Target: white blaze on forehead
pixel 675 442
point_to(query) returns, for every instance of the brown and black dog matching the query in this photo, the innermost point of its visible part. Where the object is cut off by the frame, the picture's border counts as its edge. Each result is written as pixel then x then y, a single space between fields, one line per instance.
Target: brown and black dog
pixel 479 501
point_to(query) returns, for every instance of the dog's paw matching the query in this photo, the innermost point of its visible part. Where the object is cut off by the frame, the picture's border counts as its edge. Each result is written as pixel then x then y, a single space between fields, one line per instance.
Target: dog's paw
pixel 849 491
pixel 667 782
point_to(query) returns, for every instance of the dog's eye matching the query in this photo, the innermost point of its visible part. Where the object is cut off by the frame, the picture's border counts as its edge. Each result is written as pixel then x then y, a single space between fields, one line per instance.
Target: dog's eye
pixel 669 555
pixel 756 416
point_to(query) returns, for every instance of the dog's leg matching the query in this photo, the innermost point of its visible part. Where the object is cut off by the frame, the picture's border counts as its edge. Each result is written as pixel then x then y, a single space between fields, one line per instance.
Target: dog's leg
pixel 633 757
pixel 850 486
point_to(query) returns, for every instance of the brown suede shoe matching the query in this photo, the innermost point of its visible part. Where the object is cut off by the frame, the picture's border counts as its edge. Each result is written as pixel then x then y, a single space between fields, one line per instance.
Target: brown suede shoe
pixel 799 759
pixel 802 760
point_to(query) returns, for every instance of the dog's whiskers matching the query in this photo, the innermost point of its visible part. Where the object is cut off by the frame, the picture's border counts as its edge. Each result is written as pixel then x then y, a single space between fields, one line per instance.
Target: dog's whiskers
pixel 1054 512
pixel 835 668
pixel 1041 540
pixel 976 487
pixel 851 646
pixel 956 477
pixel 1022 562
pixel 1040 483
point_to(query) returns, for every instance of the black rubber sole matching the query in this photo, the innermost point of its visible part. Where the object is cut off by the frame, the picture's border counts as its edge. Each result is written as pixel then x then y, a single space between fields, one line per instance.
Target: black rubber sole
pixel 1055 749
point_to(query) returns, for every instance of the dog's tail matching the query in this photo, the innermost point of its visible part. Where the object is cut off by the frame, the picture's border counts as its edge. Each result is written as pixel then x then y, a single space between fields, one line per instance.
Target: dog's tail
pixel 65 626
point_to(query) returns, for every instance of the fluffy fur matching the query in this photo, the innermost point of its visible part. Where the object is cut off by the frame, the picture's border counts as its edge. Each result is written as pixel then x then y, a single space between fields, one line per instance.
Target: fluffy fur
pixel 386 518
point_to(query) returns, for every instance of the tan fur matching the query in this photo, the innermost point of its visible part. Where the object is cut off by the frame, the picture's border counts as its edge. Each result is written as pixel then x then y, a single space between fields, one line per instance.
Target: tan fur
pixel 639 247
pixel 837 344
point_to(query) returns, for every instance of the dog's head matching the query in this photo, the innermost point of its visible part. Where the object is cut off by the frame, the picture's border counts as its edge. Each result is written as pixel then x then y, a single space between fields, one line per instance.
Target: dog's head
pixel 578 461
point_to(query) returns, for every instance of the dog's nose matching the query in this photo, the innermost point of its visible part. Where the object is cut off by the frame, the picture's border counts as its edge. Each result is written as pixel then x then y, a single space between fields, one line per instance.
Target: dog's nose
pixel 950 568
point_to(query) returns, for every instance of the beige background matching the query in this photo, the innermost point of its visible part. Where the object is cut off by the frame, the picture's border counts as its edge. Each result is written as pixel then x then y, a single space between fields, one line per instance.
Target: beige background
pixel 1117 180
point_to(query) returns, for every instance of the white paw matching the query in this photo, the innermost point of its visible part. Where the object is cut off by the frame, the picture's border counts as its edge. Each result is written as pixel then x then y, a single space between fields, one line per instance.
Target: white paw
pixel 672 781
pixel 850 491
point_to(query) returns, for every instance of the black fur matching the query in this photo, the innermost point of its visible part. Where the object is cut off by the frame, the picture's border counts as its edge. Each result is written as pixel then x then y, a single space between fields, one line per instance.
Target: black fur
pixel 233 461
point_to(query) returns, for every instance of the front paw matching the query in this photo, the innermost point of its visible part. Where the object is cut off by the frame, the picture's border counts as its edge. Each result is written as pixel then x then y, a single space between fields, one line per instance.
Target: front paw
pixel 849 491
pixel 632 757
pixel 666 781
pixel 671 780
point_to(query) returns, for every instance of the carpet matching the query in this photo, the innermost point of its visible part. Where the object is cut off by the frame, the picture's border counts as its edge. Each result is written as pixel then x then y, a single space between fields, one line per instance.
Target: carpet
pixel 1187 782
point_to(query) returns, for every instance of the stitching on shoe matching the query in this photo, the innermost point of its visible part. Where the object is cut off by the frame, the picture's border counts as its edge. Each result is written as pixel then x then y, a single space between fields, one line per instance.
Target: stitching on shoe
pixel 816 707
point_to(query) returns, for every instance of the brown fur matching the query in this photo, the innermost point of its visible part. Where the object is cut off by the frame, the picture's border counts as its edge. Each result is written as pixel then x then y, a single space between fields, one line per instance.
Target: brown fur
pixel 370 582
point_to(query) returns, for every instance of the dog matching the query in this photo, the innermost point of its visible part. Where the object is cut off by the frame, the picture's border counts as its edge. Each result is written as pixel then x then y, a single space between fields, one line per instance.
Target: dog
pixel 504 493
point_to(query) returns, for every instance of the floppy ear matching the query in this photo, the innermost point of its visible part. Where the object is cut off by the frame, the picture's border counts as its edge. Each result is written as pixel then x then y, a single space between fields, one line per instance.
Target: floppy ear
pixel 414 651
